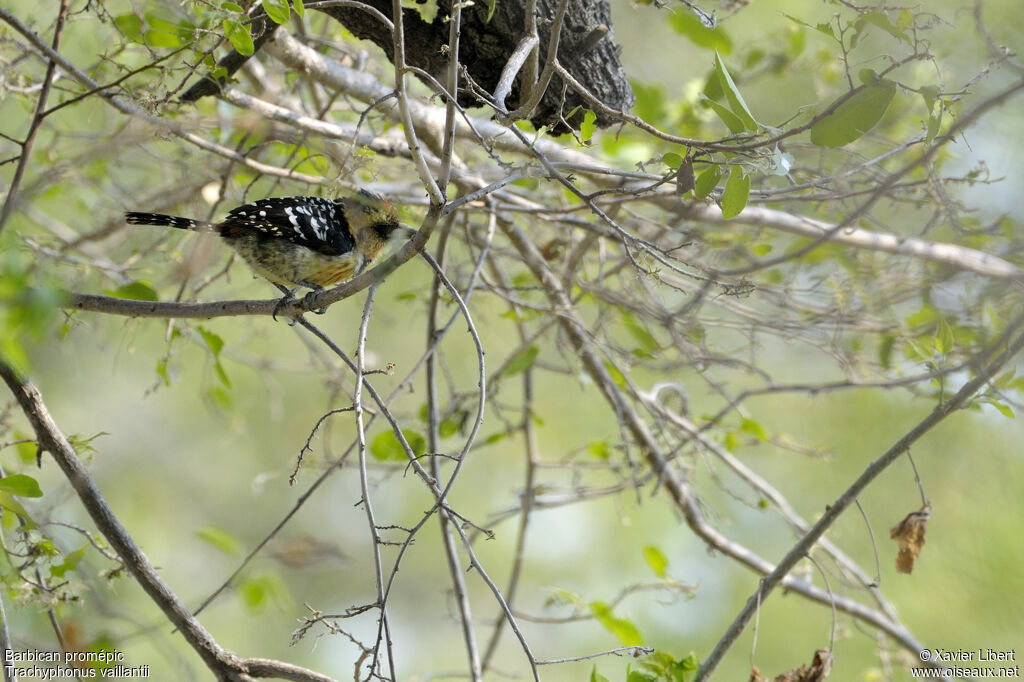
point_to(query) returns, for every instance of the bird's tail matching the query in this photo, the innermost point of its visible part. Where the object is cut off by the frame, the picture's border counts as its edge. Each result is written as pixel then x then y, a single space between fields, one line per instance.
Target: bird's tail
pixel 164 220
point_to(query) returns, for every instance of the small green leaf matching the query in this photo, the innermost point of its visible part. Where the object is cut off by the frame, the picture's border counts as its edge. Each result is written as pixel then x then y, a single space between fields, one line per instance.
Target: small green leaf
pixel 277 10
pixel 690 26
pixel 130 25
pixel 1005 380
pixel 213 341
pixel 736 193
pixel 21 485
pixel 1004 409
pixel 616 375
pixel 386 448
pixel 136 291
pixel 596 676
pixel 707 181
pixel 761 249
pixel 231 7
pixel 753 428
pixel 672 160
pixel 259 591
pixel 640 676
pixel 656 560
pixel 521 361
pixel 221 539
pixel 943 340
pixel 731 120
pixel 589 125
pixel 930 93
pixel 868 76
pixel 8 502
pixel 854 117
pixel 161 371
pixel 826 29
pixel 448 428
pixel 70 563
pixel 164 33
pixel 625 631
pixel 600 449
pixel 491 6
pixel 640 333
pixel 300 9
pixel 881 21
pixel 885 351
pixel 239 37
pixel 732 94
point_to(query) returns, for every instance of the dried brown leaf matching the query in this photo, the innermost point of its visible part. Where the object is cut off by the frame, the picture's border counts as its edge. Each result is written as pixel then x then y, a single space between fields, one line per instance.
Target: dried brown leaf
pixel 817 671
pixel 909 533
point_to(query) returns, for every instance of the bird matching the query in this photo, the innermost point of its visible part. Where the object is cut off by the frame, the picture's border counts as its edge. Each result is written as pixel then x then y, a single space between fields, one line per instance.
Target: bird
pixel 300 241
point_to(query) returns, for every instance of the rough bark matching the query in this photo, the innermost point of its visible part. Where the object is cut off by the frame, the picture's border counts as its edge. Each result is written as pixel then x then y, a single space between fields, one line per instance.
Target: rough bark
pixel 586 50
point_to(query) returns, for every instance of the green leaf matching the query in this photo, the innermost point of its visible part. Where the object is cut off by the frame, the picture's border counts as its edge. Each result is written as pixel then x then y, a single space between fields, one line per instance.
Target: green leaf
pixel 885 351
pixel 300 9
pixel 600 449
pixel 130 25
pixel 707 181
pixel 615 374
pixel 70 563
pixel 21 485
pixel 589 125
pixel 930 93
pixel 386 447
pixel 640 333
pixel 731 120
pixel 699 34
pixel 164 33
pixel 239 37
pixel 231 7
pixel 596 676
pixel 521 361
pixel 257 592
pixel 161 371
pixel 672 160
pixel 213 341
pixel 656 560
pixel 277 10
pixel 854 117
pixel 8 502
pixel 1005 410
pixel 736 193
pixel 868 76
pixel 943 340
pixel 491 5
pixel 881 21
pixel 136 291
pixel 732 94
pixel 825 29
pixel 753 428
pixel 625 631
pixel 221 539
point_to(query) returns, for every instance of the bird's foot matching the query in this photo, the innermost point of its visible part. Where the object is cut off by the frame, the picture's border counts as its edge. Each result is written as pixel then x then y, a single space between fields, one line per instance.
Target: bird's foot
pixel 289 296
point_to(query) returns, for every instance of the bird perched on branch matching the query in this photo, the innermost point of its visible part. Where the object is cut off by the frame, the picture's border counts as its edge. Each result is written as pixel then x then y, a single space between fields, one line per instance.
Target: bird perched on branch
pixel 301 241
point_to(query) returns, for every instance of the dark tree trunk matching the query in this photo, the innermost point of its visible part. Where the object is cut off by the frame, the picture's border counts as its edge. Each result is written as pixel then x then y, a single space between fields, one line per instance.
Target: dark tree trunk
pixel 586 51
